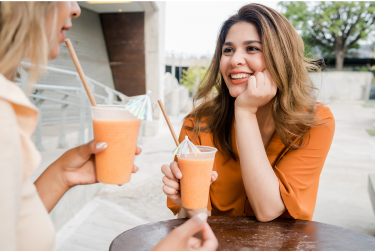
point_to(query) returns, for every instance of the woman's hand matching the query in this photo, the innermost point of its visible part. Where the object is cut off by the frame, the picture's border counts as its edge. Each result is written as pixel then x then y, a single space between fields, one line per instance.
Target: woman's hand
pixel 181 238
pixel 78 164
pixel 171 181
pixel 74 167
pixel 261 88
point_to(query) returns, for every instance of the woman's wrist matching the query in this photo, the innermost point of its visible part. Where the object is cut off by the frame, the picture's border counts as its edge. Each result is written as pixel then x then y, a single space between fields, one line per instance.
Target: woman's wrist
pixel 60 176
pixel 244 112
pixel 193 212
pixel 51 185
pixel 189 213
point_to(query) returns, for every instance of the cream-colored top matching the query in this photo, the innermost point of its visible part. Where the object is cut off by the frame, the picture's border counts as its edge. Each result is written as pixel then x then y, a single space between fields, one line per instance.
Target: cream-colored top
pixel 24 221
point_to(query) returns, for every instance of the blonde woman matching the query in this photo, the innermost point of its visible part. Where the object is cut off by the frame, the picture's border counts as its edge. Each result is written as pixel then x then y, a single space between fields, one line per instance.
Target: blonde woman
pixel 32 31
pixel 272 135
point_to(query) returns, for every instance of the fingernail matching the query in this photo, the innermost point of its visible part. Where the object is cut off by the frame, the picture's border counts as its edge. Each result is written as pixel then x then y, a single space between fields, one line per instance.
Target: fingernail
pixel 101 145
pixel 179 175
pixel 202 216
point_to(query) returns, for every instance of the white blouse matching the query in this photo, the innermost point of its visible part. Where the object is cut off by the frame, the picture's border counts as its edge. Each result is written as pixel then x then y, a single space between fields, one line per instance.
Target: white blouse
pixel 24 221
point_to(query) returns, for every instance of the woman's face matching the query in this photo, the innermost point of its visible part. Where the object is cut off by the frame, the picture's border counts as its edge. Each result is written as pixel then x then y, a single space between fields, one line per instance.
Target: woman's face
pixel 65 12
pixel 242 56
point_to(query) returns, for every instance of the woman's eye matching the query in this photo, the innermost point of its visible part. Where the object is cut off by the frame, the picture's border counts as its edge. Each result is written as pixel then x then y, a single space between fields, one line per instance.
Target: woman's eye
pixel 251 49
pixel 227 50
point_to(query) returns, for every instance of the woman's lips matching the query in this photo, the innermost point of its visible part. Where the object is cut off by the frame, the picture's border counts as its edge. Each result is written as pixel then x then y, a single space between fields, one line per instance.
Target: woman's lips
pixel 63 37
pixel 239 81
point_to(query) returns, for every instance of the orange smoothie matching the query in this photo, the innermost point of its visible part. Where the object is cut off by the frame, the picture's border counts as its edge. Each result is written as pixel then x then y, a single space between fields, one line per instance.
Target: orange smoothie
pixel 114 165
pixel 195 181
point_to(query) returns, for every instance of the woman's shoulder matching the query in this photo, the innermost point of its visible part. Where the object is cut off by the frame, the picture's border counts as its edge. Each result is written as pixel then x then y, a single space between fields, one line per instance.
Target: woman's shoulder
pixel 10 92
pixel 323 112
pixel 196 131
pixel 324 118
pixel 15 103
pixel 190 121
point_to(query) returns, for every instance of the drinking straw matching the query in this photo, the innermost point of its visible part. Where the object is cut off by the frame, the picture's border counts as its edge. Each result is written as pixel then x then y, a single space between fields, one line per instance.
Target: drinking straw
pixel 168 122
pixel 80 71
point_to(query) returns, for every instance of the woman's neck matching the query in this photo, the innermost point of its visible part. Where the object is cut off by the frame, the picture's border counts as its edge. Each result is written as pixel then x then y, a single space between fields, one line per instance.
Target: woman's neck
pixel 265 119
pixel 9 75
pixel 266 123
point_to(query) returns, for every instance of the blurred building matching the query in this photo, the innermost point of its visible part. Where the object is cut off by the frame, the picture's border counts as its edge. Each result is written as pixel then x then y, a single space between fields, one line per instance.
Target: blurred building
pixel 119 44
pixel 175 63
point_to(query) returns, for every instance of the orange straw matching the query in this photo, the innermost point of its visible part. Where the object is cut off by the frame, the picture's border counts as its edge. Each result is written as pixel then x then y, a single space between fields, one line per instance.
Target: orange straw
pixel 168 122
pixel 80 71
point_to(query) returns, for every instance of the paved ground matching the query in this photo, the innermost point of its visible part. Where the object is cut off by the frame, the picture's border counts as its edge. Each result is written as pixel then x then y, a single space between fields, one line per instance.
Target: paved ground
pixel 342 199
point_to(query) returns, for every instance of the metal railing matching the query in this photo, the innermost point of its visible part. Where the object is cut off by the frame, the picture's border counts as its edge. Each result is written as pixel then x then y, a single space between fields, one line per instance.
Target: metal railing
pixel 68 96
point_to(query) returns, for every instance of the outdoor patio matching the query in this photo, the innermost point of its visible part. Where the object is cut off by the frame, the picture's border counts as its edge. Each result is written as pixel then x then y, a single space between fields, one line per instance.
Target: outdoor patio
pixel 343 199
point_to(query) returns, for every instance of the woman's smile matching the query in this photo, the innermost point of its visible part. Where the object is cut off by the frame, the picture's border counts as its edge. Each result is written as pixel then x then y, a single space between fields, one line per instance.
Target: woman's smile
pixel 239 77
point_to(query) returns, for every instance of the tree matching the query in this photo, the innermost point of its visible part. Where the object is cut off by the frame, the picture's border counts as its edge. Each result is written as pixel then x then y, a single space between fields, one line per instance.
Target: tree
pixel 192 77
pixel 333 27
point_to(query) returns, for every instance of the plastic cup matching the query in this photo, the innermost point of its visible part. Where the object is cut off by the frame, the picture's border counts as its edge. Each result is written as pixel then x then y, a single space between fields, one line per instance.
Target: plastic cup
pixel 116 126
pixel 196 169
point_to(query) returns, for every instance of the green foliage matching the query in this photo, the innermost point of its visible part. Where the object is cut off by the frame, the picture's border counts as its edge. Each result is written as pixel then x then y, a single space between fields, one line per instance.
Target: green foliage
pixel 368 105
pixel 363 69
pixel 329 25
pixel 371 132
pixel 192 77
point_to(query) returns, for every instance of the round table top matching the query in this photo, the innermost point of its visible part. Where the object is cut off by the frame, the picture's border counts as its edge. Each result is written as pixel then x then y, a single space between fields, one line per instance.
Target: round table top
pixel 246 233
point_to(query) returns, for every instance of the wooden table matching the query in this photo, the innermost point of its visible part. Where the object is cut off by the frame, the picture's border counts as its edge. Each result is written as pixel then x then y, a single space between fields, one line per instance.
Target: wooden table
pixel 246 233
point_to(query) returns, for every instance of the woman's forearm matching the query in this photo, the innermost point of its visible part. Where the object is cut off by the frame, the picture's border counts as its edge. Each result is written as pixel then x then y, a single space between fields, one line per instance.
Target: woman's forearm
pixel 261 183
pixel 50 186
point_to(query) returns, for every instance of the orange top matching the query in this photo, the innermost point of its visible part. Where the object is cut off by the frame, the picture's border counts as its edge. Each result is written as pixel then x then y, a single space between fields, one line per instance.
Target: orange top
pixel 298 172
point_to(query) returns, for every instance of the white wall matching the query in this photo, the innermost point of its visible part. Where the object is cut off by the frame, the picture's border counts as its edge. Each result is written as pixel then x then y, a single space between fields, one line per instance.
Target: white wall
pixel 343 86
pixel 176 96
pixel 154 53
pixel 88 41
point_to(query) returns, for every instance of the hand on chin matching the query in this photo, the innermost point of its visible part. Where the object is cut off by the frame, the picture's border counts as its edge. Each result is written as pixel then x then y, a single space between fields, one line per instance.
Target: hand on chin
pixel 236 90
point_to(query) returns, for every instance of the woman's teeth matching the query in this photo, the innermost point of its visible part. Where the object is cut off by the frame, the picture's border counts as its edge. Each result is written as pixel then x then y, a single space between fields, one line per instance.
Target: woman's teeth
pixel 239 76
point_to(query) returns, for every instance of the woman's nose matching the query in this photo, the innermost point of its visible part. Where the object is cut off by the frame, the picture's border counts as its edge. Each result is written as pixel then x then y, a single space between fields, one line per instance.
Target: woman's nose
pixel 237 59
pixel 75 10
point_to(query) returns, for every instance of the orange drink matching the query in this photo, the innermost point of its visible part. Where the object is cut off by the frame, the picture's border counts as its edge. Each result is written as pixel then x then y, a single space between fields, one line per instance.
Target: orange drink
pixel 196 169
pixel 116 126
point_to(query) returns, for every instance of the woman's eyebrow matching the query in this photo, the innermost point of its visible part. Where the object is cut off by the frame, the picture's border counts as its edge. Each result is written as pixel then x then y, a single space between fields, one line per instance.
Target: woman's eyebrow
pixel 228 44
pixel 248 42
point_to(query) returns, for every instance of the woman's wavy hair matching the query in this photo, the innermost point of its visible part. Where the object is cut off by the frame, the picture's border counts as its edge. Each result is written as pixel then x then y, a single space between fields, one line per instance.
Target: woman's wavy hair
pixel 293 106
pixel 23 36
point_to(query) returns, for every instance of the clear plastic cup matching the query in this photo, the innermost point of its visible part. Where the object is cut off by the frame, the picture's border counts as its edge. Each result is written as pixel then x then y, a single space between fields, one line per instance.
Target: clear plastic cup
pixel 196 169
pixel 116 126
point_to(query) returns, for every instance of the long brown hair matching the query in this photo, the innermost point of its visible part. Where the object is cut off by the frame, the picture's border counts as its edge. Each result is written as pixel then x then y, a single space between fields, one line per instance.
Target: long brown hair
pixel 283 51
pixel 23 36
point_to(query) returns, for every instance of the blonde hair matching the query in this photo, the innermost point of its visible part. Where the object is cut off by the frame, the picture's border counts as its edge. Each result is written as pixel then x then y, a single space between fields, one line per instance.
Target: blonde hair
pixel 293 108
pixel 23 36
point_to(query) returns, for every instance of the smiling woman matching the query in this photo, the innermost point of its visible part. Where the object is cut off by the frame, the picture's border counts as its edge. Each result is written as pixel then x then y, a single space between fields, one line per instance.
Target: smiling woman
pixel 32 31
pixel 263 114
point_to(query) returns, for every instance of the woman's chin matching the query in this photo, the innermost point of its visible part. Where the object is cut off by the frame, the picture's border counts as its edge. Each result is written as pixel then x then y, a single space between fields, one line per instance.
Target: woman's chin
pixel 235 92
pixel 235 95
pixel 54 53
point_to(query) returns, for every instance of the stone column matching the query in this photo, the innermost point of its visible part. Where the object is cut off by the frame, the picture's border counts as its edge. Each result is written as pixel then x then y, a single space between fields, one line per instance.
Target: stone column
pixel 154 54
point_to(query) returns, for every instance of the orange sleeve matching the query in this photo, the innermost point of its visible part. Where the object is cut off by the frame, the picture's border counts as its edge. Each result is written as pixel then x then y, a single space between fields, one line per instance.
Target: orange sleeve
pixel 195 139
pixel 299 170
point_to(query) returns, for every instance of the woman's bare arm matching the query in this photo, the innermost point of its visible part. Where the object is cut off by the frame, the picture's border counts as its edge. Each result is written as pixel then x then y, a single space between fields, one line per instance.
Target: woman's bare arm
pixel 261 183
